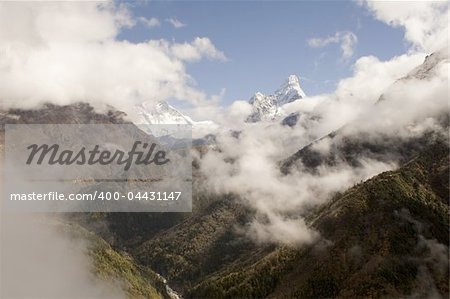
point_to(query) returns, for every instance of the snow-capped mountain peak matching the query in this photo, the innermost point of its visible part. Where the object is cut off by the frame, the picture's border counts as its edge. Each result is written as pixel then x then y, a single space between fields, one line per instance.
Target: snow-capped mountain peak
pixel 264 107
pixel 257 97
pixel 290 91
pixel 268 107
pixel 161 113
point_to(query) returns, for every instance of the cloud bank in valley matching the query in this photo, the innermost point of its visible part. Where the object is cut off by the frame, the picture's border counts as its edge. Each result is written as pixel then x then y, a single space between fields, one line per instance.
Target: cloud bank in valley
pixel 248 165
pixel 67 52
pixel 40 261
pixel 46 57
pixel 374 102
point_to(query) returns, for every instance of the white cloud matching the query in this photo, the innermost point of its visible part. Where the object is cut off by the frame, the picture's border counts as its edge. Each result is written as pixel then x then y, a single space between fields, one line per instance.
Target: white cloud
pixel 200 47
pixel 175 23
pixel 150 23
pixel 240 110
pixel 249 166
pixel 346 39
pixel 46 57
pixel 425 22
pixel 42 258
pixel 409 107
pixel 64 52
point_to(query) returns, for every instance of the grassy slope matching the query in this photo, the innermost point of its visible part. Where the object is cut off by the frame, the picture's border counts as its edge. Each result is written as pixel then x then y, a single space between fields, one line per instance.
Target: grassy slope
pixel 117 268
pixel 375 235
pixel 372 234
pixel 202 244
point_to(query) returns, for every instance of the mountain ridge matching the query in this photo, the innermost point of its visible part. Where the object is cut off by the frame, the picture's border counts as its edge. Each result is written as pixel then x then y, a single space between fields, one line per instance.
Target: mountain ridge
pixel 269 107
pixel 384 237
pixel 349 142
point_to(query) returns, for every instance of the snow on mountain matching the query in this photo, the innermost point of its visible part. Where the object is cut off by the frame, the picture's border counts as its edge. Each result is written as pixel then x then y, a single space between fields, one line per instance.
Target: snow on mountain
pixel 428 67
pixel 268 107
pixel 161 113
pixel 290 91
pixel 265 107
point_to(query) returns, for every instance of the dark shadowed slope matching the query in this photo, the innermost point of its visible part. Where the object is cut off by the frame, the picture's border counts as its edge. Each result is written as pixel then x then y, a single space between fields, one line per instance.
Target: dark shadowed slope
pixel 386 237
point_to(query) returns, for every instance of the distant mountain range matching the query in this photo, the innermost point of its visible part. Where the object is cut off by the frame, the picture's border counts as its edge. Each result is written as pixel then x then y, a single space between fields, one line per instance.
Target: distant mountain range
pixel 264 107
pixel 269 107
pixel 163 113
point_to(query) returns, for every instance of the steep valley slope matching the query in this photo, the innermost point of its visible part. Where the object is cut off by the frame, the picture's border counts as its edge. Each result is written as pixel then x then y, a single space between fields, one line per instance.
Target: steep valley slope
pixel 384 237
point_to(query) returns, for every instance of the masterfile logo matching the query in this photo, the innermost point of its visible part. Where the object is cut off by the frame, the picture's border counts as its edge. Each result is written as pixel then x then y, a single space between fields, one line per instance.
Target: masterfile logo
pixel 109 168
pixel 52 155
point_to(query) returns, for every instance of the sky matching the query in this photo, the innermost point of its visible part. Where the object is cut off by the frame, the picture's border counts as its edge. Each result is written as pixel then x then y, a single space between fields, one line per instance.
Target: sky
pixel 206 56
pixel 265 42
